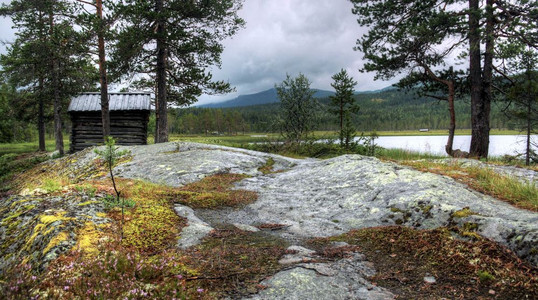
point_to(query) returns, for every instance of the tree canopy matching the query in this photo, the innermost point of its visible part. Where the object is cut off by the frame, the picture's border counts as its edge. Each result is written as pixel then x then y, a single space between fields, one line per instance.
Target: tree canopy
pixel 425 37
pixel 173 43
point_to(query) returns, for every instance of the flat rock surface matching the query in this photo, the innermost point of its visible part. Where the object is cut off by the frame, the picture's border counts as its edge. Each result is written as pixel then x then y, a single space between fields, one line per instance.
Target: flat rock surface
pixel 177 164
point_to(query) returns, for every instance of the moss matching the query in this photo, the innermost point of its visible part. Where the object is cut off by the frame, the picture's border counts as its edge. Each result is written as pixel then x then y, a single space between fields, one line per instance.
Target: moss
pixel 485 276
pixel 267 168
pixel 462 213
pixel 470 226
pixel 87 203
pixel 17 214
pixel 55 241
pixel 426 208
pixel 151 228
pixel 395 210
pixel 44 222
pixel 88 238
pixel 471 235
pixel 18 202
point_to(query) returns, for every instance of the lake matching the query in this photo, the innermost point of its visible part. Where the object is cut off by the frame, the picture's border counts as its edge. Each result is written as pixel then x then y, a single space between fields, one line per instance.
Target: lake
pixel 499 145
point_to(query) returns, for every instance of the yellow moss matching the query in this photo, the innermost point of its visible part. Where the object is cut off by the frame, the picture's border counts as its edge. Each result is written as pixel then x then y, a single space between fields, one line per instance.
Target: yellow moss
pixel 472 235
pixel 183 269
pixel 151 228
pixel 48 219
pixel 87 203
pixel 462 213
pixel 88 237
pixel 37 230
pixel 60 237
pixel 45 221
pixel 19 202
pixel 101 215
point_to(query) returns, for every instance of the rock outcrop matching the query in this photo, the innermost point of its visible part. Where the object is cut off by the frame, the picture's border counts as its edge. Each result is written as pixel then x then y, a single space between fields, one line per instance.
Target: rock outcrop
pixel 304 198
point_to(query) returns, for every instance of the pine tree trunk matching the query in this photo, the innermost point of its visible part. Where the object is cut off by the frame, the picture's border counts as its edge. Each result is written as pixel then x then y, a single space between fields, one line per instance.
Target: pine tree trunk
pixel 105 113
pixel 41 117
pixel 452 127
pixel 529 131
pixel 57 106
pixel 480 126
pixel 161 135
pixel 57 109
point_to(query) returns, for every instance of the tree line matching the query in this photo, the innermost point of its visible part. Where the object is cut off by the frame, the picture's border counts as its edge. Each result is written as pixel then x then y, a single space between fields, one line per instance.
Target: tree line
pixel 390 110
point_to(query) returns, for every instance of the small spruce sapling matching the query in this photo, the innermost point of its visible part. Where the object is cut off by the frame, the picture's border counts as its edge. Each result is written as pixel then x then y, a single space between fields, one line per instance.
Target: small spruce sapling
pixel 110 155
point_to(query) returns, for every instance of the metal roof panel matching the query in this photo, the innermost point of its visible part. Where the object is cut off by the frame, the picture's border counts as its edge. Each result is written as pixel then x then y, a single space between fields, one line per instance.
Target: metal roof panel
pixel 118 101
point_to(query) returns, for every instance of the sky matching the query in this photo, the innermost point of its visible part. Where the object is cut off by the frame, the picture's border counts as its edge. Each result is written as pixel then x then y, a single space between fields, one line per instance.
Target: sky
pixel 282 37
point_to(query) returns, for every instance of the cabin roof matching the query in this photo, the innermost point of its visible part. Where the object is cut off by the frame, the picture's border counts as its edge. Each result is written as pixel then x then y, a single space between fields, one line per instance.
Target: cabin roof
pixel 117 102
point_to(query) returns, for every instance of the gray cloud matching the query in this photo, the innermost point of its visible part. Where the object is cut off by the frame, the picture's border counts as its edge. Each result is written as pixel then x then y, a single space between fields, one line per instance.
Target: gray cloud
pixel 283 37
pixel 7 33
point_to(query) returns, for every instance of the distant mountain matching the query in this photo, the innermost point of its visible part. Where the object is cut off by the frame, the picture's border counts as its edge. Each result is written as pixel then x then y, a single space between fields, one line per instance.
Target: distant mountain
pixel 270 96
pixel 385 89
pixel 265 97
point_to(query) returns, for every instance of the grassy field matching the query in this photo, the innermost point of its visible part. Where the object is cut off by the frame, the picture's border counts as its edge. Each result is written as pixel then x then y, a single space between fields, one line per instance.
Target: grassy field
pixel 26 147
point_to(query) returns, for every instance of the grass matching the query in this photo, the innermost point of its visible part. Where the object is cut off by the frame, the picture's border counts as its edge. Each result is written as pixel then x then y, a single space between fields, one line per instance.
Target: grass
pixel 403 155
pixel 12 164
pixel 485 180
pixel 27 147
pixel 462 269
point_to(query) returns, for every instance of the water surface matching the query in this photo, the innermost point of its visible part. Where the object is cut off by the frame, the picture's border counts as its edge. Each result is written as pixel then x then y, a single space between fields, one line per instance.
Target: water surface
pixel 499 145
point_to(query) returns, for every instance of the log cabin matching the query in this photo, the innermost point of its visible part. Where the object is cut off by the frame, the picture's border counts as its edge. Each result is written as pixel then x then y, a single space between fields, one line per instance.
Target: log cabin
pixel 129 117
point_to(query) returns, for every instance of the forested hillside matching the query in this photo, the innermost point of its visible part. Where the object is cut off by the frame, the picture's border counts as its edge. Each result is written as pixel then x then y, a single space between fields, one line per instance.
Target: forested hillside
pixel 389 109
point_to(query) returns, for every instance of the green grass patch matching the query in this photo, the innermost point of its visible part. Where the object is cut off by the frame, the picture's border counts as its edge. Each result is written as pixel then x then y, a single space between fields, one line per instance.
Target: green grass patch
pixel 28 147
pixel 402 154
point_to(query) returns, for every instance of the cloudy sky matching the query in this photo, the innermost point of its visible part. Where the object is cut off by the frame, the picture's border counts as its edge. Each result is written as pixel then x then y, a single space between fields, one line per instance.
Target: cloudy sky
pixel 283 37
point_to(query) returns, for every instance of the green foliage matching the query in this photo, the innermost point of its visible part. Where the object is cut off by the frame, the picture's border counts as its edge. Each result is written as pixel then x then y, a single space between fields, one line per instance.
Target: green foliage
pixel 191 39
pixel 49 59
pixel 523 98
pixel 8 120
pixel 343 105
pixel 390 110
pixel 298 109
pixel 111 202
pixel 485 276
pixel 110 154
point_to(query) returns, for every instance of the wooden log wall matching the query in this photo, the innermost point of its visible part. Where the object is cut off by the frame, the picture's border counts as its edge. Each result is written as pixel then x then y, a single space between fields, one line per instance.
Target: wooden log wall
pixel 127 127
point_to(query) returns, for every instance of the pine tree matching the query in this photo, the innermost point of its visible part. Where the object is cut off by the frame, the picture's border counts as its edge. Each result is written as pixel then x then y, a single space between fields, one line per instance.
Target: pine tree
pixel 422 36
pixel 343 104
pixel 47 57
pixel 172 43
pixel 298 108
pixel 523 97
